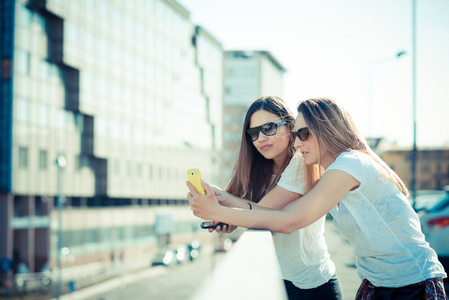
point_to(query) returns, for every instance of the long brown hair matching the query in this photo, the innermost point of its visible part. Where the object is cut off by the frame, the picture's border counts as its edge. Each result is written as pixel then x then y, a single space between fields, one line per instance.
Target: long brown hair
pixel 336 131
pixel 252 175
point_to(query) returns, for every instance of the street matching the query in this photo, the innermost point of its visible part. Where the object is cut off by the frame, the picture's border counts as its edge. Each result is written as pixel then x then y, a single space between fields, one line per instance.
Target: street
pixel 182 281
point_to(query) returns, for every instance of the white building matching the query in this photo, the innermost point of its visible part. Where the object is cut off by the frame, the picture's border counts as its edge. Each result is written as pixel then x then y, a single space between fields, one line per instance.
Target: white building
pixel 248 75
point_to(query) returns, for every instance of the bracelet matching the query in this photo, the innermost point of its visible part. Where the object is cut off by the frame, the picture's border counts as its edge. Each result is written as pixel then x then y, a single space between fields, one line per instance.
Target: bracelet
pixel 250 206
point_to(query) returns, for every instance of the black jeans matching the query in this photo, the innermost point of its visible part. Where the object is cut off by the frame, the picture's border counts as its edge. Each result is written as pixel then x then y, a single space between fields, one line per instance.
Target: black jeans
pixel 331 290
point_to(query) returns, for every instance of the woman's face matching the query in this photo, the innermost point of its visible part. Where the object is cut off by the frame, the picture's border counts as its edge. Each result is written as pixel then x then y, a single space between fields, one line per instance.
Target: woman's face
pixel 271 147
pixel 308 148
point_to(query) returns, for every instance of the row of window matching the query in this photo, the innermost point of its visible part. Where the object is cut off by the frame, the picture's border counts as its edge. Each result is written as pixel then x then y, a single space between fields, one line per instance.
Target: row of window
pixel 127 168
pixel 23 161
pixel 101 239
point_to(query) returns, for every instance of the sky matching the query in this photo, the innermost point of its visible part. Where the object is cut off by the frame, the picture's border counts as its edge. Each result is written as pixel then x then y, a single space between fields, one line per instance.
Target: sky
pixel 347 50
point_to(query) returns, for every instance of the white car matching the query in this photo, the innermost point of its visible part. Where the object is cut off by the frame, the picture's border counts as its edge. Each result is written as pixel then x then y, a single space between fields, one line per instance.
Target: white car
pixel 435 226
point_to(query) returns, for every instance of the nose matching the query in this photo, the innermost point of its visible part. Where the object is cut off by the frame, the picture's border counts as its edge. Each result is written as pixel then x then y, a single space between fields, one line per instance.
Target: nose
pixel 261 136
pixel 298 143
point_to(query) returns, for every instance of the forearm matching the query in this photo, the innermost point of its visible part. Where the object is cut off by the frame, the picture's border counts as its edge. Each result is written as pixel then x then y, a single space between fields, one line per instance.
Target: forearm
pixel 236 202
pixel 263 218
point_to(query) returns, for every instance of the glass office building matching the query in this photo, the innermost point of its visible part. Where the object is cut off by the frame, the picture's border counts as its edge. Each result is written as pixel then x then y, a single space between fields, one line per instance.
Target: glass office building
pixel 130 94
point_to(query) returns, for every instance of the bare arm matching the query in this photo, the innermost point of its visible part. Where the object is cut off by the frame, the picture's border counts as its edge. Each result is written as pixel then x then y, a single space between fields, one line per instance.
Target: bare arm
pixel 277 198
pixel 329 191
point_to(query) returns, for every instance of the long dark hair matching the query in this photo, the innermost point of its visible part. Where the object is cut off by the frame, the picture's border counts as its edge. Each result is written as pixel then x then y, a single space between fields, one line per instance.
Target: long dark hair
pixel 252 175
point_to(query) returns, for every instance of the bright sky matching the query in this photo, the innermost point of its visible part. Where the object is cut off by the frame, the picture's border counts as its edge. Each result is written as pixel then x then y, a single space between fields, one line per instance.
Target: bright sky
pixel 345 49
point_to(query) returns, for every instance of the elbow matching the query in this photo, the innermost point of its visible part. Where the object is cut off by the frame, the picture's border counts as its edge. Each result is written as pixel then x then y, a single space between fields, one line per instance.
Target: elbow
pixel 288 225
pixel 286 230
pixel 289 229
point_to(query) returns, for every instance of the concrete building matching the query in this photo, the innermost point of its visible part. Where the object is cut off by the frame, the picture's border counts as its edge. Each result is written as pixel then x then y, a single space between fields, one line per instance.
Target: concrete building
pixel 432 168
pixel 247 76
pixel 130 94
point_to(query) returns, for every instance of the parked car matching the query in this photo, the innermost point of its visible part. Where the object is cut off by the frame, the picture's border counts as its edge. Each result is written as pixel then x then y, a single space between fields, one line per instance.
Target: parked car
pixel 194 250
pixel 426 198
pixel 165 257
pixel 182 253
pixel 435 226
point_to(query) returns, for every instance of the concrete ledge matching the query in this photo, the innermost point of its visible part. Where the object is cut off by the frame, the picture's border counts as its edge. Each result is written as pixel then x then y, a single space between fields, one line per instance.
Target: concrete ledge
pixel 249 271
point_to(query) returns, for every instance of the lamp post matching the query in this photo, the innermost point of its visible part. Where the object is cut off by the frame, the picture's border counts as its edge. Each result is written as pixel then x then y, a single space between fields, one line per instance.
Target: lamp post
pixel 370 85
pixel 413 183
pixel 61 163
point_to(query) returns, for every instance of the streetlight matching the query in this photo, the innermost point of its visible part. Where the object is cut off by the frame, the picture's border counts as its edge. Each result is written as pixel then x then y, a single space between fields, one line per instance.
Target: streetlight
pixel 370 85
pixel 414 102
pixel 61 163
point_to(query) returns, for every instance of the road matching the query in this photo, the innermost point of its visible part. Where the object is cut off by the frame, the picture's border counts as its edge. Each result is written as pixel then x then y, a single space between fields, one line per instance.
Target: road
pixel 181 282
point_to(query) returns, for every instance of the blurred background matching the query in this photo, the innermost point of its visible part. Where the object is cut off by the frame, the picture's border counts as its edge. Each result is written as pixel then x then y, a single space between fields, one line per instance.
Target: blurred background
pixel 106 103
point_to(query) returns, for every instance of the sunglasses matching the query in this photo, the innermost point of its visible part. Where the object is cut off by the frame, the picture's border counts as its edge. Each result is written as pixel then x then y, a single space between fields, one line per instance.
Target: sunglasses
pixel 301 133
pixel 268 129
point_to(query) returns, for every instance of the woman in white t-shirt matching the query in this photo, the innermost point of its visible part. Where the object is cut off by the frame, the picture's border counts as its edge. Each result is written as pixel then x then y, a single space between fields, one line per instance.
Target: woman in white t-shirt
pixel 366 199
pixel 265 151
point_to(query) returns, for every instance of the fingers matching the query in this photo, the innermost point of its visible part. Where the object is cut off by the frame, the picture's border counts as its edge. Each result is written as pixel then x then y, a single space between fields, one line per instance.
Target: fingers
pixel 207 187
pixel 192 190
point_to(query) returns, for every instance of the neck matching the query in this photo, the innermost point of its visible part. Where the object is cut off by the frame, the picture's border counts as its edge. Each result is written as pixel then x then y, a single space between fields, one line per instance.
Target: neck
pixel 278 162
pixel 327 161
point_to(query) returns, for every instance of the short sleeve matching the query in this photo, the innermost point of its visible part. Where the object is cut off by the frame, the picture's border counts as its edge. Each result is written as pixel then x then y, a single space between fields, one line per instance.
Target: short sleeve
pixel 292 179
pixel 351 162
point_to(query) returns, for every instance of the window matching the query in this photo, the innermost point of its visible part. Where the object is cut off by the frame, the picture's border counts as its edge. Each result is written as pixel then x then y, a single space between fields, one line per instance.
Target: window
pixel 23 62
pixel 139 169
pixel 23 110
pixel 43 160
pixel 129 168
pixel 116 167
pixel 25 16
pixel 23 158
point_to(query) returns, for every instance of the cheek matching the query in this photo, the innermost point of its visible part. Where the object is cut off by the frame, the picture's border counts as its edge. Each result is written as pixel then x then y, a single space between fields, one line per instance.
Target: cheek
pixel 282 142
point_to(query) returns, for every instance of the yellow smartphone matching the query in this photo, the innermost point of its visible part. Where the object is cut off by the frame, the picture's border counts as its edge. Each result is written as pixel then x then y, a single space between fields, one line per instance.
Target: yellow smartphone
pixel 194 177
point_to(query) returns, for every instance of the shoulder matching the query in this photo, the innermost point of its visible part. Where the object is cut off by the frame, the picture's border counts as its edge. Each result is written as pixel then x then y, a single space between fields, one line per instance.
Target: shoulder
pixel 351 157
pixel 292 178
pixel 351 162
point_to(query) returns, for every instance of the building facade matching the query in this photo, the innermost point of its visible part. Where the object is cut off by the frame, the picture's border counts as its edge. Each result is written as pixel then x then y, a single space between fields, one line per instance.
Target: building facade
pixel 248 75
pixel 432 167
pixel 130 94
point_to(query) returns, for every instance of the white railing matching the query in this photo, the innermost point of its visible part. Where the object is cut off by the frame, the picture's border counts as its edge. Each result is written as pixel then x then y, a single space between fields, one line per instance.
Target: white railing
pixel 249 271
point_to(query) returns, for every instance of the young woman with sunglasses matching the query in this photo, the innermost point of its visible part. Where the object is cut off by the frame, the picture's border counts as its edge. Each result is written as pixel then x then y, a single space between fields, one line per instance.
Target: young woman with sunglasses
pixel 366 199
pixel 265 151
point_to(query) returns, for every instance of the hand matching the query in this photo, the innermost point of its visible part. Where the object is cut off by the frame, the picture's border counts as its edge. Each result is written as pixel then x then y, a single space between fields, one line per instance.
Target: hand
pixel 205 207
pixel 223 197
pixel 223 229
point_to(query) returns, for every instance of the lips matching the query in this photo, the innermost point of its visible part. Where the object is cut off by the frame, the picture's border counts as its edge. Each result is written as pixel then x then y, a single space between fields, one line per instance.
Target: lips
pixel 265 147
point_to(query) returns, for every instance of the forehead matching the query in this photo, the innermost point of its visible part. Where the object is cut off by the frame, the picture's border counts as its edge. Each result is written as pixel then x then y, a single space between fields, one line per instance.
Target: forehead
pixel 300 123
pixel 261 117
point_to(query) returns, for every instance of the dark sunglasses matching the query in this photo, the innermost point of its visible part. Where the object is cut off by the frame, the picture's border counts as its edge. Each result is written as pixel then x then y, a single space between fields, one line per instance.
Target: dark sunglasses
pixel 301 133
pixel 268 129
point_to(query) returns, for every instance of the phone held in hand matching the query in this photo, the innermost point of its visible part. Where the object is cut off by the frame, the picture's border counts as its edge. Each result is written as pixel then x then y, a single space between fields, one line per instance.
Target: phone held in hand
pixel 208 224
pixel 194 177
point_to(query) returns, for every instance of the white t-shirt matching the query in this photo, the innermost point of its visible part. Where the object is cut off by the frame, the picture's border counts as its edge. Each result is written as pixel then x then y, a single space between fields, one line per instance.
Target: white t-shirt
pixel 383 228
pixel 302 254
